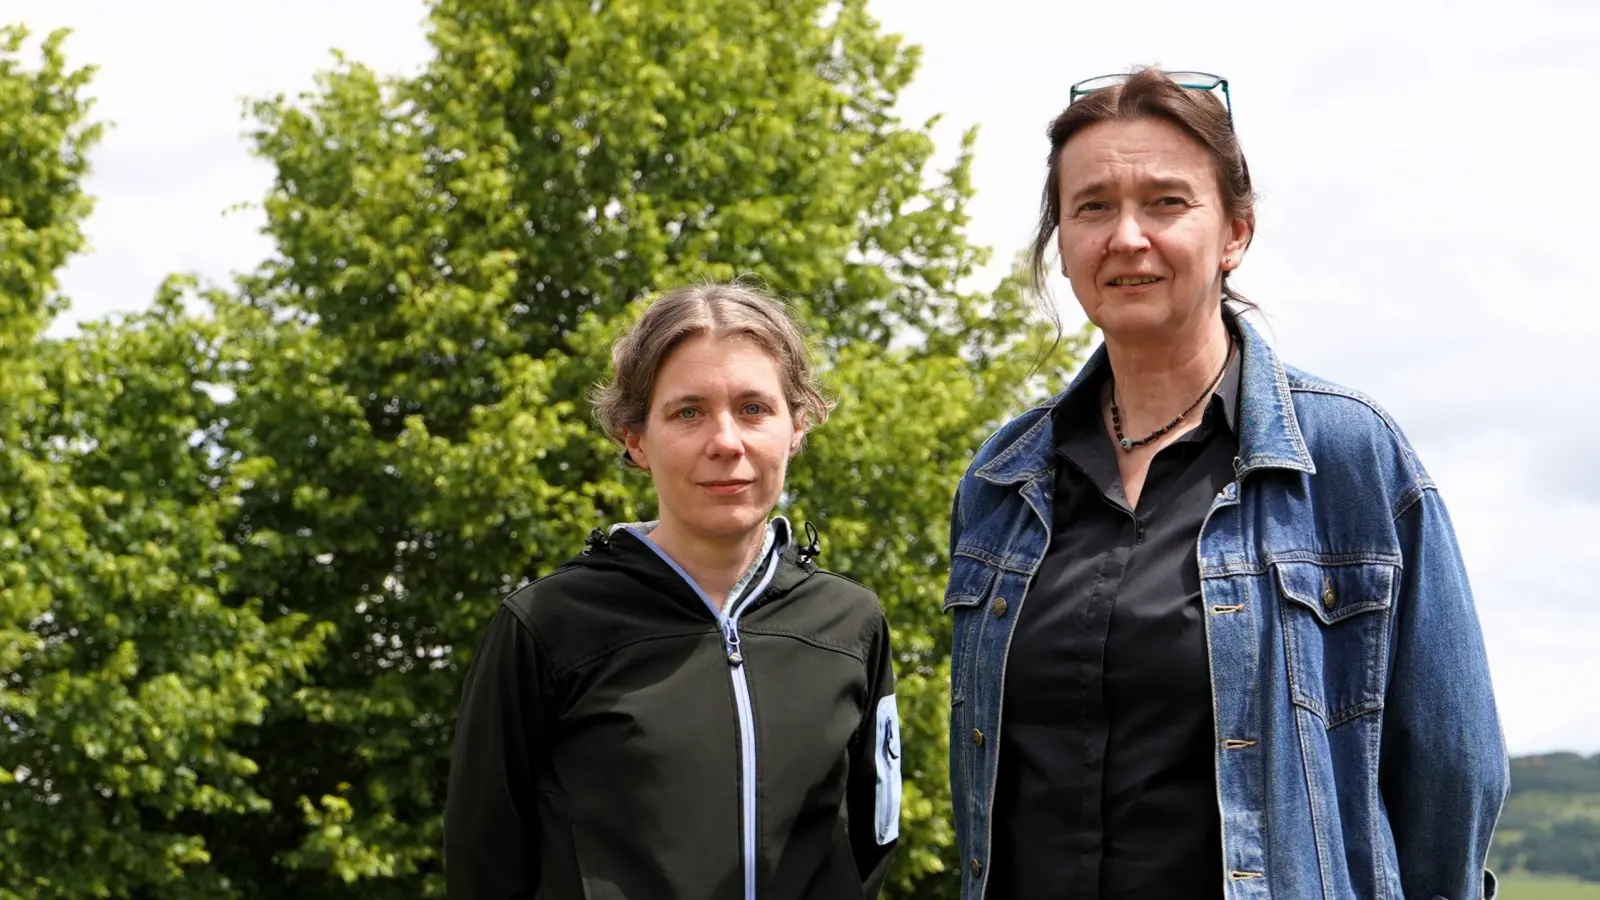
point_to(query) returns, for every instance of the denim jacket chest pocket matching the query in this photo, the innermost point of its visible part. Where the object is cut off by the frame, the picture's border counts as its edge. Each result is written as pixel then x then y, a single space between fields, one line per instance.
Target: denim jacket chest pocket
pixel 1336 634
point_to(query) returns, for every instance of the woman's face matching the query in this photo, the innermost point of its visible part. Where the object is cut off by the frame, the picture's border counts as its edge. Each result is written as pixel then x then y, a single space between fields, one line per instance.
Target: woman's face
pixel 717 438
pixel 1143 234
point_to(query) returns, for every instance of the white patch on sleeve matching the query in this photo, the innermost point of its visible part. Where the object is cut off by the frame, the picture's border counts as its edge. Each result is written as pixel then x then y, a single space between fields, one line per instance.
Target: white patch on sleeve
pixel 886 754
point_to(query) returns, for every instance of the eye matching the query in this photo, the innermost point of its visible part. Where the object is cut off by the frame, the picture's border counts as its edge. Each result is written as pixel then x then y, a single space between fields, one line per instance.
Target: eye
pixel 754 409
pixel 688 412
pixel 1091 207
pixel 1172 202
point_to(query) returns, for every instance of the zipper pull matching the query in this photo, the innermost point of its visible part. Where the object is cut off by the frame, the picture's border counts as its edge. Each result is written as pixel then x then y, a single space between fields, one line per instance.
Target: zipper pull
pixel 730 640
pixel 813 549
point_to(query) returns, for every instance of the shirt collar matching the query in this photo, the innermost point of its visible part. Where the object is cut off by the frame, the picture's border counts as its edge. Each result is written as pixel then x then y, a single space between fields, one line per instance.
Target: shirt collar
pixel 1079 412
pixel 1264 418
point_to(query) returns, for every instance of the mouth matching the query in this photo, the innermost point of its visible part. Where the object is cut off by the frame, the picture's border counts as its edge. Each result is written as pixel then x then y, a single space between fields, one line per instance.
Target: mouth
pixel 1133 280
pixel 725 487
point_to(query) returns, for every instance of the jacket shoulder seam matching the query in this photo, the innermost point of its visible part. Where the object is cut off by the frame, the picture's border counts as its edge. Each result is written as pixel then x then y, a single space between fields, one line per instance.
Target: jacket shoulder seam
pixel 522 617
pixel 1302 384
pixel 1021 421
pixel 1411 498
pixel 541 657
pixel 528 588
pixel 1416 474
pixel 607 650
pixel 873 623
pixel 842 577
pixel 847 579
pixel 813 640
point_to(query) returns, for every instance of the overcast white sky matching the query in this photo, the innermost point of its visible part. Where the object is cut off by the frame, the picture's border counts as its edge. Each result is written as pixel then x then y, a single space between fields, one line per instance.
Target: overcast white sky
pixel 1430 175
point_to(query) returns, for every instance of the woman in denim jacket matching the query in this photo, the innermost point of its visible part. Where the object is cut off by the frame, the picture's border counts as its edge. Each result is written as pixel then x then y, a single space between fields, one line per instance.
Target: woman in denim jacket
pixel 1212 632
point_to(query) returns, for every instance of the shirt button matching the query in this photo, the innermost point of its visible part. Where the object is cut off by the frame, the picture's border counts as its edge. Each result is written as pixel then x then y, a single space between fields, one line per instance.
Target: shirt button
pixel 977 737
pixel 998 607
pixel 977 867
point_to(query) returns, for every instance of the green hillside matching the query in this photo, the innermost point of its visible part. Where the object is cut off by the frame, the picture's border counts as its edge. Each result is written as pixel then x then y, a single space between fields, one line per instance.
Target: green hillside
pixel 1523 886
pixel 1550 827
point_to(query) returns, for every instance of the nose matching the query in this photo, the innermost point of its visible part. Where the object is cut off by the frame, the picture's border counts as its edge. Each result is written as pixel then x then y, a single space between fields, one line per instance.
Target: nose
pixel 726 440
pixel 1127 234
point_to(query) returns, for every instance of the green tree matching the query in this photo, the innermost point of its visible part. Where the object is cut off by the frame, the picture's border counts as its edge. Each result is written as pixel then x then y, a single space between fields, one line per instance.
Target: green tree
pixel 454 252
pixel 1570 847
pixel 1556 773
pixel 257 547
pixel 124 675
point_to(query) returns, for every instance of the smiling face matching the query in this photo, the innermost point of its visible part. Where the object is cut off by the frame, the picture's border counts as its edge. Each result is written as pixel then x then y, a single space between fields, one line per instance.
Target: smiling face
pixel 1143 234
pixel 717 438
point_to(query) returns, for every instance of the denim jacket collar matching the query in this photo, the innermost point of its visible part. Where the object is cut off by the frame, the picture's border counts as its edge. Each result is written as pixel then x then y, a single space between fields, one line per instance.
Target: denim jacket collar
pixel 1269 433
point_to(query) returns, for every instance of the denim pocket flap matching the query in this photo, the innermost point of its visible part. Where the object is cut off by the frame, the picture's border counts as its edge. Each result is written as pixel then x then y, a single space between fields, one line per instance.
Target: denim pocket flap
pixel 970 582
pixel 1336 624
pixel 1336 592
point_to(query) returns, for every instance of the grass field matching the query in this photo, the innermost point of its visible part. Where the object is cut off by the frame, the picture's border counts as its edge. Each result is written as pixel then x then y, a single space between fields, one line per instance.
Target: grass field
pixel 1539 887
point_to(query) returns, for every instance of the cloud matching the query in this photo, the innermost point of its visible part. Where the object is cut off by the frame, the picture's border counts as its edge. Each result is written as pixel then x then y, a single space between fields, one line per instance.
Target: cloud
pixel 172 79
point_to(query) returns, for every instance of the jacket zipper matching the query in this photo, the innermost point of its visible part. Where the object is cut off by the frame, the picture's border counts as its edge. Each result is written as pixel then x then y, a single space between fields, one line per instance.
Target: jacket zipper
pixel 747 755
pixel 728 623
pixel 747 722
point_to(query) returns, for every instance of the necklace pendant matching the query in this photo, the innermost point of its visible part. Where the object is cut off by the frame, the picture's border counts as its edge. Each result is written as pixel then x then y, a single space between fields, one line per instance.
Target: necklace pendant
pixel 1126 444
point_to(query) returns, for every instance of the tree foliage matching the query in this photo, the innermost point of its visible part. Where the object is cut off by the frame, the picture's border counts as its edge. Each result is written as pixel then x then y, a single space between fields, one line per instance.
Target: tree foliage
pixel 1551 823
pixel 1570 847
pixel 129 664
pixel 1560 773
pixel 285 519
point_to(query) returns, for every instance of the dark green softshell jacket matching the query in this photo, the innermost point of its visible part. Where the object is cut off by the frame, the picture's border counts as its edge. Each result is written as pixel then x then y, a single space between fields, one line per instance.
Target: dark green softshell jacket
pixel 620 737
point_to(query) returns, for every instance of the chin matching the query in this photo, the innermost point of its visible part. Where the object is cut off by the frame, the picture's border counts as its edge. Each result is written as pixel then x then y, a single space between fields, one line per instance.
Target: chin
pixel 730 523
pixel 1133 318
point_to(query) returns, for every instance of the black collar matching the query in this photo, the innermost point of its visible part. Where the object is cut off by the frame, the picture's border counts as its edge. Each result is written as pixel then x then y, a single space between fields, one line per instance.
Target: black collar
pixel 1078 418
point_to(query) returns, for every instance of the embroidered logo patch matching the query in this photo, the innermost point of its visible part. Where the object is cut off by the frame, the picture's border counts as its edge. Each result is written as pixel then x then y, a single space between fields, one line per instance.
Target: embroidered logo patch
pixel 886 753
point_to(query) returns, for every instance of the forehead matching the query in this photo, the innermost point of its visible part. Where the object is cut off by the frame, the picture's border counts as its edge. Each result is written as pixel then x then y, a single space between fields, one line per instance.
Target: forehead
pixel 1132 152
pixel 707 363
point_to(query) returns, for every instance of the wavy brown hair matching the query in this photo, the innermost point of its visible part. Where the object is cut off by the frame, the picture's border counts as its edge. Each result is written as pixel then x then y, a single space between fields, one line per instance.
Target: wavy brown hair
pixel 1147 94
pixel 720 310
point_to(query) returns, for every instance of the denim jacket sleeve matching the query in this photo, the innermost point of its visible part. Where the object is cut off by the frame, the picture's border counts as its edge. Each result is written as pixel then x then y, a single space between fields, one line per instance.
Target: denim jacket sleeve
pixel 955 523
pixel 1443 765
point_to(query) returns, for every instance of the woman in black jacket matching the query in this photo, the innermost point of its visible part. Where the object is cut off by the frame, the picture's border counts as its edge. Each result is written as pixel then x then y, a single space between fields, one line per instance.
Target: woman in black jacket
pixel 690 708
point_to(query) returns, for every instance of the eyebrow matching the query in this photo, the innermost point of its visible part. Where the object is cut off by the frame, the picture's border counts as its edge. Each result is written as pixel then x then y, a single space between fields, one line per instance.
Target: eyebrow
pixel 681 400
pixel 687 399
pixel 1177 185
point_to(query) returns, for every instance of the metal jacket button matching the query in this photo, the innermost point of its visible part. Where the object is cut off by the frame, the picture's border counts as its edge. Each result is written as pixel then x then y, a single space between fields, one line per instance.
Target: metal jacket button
pixel 977 737
pixel 998 607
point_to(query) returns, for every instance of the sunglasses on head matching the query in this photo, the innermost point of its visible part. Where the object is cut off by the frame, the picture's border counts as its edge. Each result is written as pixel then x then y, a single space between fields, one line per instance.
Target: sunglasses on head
pixel 1196 81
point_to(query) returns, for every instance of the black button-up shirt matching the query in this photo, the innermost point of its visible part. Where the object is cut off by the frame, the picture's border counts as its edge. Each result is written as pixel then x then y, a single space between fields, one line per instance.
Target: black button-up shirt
pixel 1106 783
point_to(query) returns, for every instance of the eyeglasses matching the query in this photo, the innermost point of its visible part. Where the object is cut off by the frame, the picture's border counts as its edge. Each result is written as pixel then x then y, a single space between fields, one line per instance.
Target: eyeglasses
pixel 1196 81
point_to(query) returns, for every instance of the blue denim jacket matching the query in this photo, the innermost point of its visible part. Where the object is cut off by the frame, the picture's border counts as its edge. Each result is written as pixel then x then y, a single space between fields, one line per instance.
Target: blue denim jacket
pixel 1358 749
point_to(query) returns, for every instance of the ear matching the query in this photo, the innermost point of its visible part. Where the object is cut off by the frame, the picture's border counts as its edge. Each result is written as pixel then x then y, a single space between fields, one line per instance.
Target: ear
pixel 799 436
pixel 634 441
pixel 1239 233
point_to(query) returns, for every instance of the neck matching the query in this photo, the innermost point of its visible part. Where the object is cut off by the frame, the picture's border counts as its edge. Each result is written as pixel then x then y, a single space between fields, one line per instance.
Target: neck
pixel 1156 380
pixel 715 565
